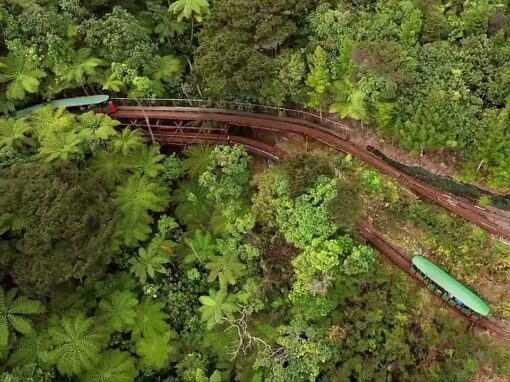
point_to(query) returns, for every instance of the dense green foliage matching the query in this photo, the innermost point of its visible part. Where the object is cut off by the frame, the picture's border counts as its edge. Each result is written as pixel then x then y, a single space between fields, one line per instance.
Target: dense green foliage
pixel 433 75
pixel 248 278
pixel 122 262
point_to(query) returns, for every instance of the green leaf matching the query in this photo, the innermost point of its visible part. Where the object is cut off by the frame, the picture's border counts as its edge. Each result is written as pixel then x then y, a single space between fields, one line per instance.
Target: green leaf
pixel 216 376
pixel 74 344
pixel 115 366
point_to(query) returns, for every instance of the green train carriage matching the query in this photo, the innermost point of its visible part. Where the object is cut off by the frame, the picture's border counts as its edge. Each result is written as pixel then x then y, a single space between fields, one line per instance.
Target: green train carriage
pixel 96 102
pixel 449 289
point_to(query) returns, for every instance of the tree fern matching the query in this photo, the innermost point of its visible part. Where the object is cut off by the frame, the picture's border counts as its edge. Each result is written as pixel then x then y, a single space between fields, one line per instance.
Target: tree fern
pixel 127 141
pixel 197 160
pixel 12 312
pixel 111 81
pixel 129 232
pixel 140 194
pixel 21 75
pixel 185 9
pixel 199 248
pixel 107 168
pixel 193 208
pixel 14 133
pixel 48 120
pixel 146 161
pixel 63 145
pixel 148 263
pixel 226 268
pixel 154 350
pixel 82 67
pixel 102 126
pixel 115 366
pixel 26 350
pixel 168 68
pixel 75 345
pixel 117 311
pixel 150 319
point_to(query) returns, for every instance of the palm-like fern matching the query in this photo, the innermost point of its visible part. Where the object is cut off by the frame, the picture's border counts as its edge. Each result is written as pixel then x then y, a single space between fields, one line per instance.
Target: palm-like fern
pixel 127 141
pixel 75 345
pixel 185 9
pixel 150 319
pixel 216 306
pixel 148 263
pixel 107 168
pixel 12 312
pixel 13 133
pixel 117 310
pixel 115 366
pixel 155 350
pixel 21 75
pixel 82 67
pixel 140 194
pixel 193 208
pixel 26 350
pixel 147 161
pixel 200 247
pixel 197 160
pixel 48 120
pixel 167 68
pixel 129 232
pixel 63 145
pixel 225 268
pixel 102 126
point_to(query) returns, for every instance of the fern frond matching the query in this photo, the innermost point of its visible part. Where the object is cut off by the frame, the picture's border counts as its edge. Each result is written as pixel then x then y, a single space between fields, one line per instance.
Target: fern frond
pixel 12 309
pixel 75 345
pixel 48 120
pixel 127 141
pixel 146 161
pixel 197 160
pixel 129 232
pixel 21 75
pixel 140 194
pixel 26 350
pixel 117 311
pixel 107 168
pixel 115 366
pixel 155 349
pixel 150 319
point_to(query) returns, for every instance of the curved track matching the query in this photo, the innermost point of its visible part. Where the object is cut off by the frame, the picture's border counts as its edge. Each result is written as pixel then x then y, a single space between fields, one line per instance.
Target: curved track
pixel 365 229
pixel 142 117
pixel 403 261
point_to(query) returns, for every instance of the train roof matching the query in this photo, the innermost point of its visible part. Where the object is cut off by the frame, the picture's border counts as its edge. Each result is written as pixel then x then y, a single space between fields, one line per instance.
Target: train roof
pixel 451 285
pixel 64 103
pixel 80 101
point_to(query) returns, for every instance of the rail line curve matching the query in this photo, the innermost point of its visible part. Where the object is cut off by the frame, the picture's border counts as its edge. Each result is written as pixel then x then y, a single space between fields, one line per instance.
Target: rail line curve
pixel 364 227
pixel 144 117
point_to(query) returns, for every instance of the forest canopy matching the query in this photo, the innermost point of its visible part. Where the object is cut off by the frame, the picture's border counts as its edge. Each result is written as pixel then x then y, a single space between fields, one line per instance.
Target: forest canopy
pixel 123 260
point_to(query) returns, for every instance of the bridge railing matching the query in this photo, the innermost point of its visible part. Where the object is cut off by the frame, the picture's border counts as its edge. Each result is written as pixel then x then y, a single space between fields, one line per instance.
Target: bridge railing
pixel 337 127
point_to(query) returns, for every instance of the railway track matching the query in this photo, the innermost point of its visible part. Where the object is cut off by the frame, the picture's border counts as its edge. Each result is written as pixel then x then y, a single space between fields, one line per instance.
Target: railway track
pixel 141 116
pixel 365 228
pixel 397 256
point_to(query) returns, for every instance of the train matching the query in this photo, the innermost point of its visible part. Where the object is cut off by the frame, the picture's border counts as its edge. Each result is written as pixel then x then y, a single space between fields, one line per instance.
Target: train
pixel 449 289
pixel 100 103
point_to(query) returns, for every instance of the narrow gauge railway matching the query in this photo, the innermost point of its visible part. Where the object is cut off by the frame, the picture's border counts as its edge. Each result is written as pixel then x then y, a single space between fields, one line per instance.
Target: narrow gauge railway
pixel 333 136
pixel 422 271
pixel 476 313
pixel 140 116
